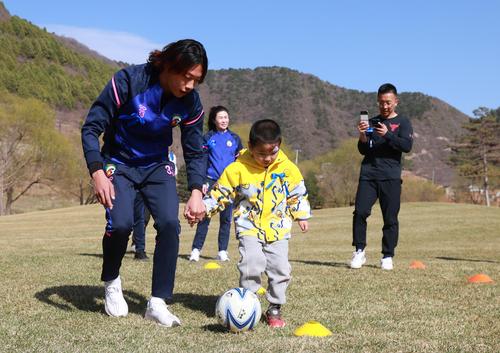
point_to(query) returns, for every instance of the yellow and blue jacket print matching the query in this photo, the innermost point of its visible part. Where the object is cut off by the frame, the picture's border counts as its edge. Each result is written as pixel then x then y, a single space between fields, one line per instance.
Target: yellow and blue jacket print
pixel 265 200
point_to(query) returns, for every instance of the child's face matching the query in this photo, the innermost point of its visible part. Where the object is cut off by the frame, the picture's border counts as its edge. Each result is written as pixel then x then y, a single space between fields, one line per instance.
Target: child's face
pixel 264 153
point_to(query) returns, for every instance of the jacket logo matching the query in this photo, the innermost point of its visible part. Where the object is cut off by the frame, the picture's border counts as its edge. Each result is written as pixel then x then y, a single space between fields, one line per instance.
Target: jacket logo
pixel 176 119
pixel 110 170
pixel 394 127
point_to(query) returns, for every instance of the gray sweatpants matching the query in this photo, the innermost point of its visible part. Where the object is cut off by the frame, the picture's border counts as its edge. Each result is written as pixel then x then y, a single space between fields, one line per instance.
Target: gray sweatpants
pixel 271 258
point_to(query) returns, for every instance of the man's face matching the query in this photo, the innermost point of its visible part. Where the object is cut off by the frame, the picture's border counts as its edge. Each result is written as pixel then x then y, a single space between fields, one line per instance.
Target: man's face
pixel 264 153
pixel 387 103
pixel 180 84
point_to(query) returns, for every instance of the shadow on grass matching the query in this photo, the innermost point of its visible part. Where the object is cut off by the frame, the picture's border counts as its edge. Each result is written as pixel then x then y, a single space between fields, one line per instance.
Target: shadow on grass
pixel 469 260
pixel 215 328
pixel 94 255
pixel 325 263
pixel 87 298
pixel 198 302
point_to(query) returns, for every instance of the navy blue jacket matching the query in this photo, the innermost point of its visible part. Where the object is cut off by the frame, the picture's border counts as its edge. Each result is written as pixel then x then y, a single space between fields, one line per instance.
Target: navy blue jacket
pixel 137 121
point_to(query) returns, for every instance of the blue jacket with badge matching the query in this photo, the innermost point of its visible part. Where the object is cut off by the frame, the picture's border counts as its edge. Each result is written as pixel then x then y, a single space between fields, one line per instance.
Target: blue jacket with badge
pixel 223 148
pixel 137 121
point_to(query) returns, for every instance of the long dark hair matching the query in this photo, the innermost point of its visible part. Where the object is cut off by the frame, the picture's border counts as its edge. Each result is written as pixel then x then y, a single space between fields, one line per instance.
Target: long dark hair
pixel 213 114
pixel 179 57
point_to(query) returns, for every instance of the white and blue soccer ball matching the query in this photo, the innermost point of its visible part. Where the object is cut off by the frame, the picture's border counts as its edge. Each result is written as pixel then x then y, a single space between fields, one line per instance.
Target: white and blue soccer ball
pixel 238 310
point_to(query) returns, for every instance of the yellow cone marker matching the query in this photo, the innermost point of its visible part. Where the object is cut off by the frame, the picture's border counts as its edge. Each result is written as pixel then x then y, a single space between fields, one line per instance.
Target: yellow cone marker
pixel 312 328
pixel 211 266
pixel 261 291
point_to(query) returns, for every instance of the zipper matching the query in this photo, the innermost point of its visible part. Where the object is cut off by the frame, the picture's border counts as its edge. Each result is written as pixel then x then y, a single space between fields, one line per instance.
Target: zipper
pixel 263 199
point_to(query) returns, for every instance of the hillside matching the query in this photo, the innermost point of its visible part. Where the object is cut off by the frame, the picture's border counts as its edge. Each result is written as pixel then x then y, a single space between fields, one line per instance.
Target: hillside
pixel 56 70
pixel 316 115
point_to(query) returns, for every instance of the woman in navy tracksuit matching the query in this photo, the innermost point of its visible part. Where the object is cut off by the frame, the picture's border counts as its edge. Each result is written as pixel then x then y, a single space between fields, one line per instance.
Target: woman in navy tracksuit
pixel 223 147
pixel 137 111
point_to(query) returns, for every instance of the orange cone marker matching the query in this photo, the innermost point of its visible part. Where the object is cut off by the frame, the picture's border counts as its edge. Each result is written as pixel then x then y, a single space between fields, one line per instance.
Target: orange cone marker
pixel 417 265
pixel 480 278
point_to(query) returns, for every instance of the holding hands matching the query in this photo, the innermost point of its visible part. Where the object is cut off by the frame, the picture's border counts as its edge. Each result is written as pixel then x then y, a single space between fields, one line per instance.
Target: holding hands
pixel 195 210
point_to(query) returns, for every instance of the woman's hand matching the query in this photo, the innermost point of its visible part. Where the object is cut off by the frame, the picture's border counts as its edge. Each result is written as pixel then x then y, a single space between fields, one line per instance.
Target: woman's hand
pixel 103 189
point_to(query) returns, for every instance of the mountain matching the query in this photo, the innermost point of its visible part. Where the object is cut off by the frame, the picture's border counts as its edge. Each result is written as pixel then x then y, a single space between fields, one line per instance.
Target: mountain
pixel 56 70
pixel 315 115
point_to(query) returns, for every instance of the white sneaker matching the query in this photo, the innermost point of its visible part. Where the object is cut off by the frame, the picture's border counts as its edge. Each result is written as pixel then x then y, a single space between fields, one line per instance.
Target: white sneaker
pixel 358 259
pixel 222 256
pixel 195 255
pixel 114 303
pixel 157 311
pixel 386 263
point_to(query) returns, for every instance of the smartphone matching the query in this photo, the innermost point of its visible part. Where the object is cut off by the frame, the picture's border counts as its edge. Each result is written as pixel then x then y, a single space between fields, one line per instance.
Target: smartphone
pixel 375 122
pixel 363 116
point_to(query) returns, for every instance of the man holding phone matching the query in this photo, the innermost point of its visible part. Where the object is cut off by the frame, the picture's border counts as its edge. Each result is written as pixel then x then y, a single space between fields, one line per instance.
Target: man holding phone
pixel 382 139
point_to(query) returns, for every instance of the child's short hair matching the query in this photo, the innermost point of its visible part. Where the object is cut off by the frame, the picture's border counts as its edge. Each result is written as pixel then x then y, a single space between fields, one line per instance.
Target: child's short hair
pixel 265 131
pixel 387 88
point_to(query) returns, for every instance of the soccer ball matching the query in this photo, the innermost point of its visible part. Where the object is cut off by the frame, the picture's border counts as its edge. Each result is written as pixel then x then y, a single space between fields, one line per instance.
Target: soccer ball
pixel 238 310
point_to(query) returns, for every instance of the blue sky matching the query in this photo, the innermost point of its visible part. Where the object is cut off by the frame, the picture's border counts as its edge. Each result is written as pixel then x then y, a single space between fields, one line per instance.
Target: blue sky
pixel 447 49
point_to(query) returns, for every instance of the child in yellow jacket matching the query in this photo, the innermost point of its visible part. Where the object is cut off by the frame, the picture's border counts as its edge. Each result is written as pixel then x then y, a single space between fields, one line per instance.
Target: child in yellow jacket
pixel 267 192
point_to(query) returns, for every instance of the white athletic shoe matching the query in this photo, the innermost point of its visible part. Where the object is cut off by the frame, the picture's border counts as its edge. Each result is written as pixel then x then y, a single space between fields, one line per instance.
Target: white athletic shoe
pixel 358 259
pixel 157 311
pixel 386 263
pixel 114 303
pixel 195 255
pixel 222 256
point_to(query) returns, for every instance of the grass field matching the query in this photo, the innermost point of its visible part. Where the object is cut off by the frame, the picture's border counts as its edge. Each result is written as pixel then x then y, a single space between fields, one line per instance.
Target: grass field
pixel 51 296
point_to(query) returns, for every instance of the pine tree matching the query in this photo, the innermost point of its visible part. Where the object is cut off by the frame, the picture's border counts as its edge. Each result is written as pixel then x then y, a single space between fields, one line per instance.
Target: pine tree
pixel 476 154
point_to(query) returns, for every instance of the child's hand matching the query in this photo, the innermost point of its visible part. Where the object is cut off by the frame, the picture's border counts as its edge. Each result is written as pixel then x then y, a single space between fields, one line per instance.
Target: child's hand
pixel 304 226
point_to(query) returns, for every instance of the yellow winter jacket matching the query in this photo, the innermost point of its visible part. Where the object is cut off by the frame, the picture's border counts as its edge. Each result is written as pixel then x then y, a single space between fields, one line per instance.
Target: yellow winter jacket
pixel 265 200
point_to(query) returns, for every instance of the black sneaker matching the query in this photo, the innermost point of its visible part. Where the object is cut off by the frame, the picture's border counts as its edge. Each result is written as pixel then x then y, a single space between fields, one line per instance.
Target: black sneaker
pixel 141 256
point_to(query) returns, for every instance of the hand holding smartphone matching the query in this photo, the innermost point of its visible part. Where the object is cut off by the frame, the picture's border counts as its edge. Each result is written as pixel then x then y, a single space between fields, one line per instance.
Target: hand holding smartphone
pixel 363 116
